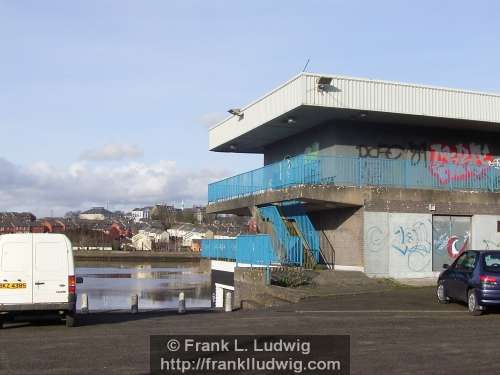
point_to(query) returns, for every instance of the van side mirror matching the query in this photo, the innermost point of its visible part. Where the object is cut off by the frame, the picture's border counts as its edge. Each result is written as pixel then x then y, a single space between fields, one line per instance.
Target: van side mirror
pixel 79 280
pixel 446 266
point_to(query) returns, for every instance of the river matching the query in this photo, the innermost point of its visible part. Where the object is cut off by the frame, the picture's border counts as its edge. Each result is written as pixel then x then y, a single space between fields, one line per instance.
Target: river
pixel 110 285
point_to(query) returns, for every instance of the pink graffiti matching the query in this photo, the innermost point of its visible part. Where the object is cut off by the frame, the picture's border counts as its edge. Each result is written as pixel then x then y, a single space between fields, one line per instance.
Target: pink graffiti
pixel 453 252
pixel 459 162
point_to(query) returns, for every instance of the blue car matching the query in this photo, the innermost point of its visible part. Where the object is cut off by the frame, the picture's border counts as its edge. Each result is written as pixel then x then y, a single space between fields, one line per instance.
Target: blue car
pixel 474 278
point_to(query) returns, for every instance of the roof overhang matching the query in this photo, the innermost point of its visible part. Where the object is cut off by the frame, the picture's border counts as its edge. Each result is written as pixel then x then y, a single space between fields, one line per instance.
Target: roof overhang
pixel 301 103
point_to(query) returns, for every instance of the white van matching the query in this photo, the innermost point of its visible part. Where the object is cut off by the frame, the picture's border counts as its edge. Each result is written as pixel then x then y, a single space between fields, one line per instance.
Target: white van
pixel 37 275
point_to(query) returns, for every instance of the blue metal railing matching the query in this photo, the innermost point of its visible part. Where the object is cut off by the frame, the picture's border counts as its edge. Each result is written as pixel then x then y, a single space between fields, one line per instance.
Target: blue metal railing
pixel 221 249
pixel 354 171
pixel 292 244
pixel 255 250
pixel 246 249
pixel 295 211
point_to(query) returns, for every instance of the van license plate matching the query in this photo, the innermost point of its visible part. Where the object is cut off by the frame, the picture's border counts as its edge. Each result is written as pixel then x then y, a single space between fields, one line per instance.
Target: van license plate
pixel 12 285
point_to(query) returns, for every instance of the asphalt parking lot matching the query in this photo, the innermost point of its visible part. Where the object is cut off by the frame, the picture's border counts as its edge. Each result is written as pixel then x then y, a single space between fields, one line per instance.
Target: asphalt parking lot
pixel 402 331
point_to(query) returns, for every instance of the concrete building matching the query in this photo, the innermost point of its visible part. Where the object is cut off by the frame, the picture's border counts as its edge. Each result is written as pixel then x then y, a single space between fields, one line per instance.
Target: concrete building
pixel 141 214
pixel 95 213
pixel 390 178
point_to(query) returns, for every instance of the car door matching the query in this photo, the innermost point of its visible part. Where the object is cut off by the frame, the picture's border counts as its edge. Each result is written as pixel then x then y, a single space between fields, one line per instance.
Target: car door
pixel 50 269
pixel 451 282
pixel 463 274
pixel 16 269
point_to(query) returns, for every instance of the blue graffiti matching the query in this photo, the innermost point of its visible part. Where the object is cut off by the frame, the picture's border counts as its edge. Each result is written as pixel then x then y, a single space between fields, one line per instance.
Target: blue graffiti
pixel 412 242
pixel 412 239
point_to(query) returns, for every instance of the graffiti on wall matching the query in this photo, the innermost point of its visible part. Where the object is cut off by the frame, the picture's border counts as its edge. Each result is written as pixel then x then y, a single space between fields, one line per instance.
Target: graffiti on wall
pixel 495 163
pixel 413 241
pixel 491 245
pixel 459 162
pixel 451 237
pixel 445 162
pixel 452 245
pixel 375 239
pixel 416 153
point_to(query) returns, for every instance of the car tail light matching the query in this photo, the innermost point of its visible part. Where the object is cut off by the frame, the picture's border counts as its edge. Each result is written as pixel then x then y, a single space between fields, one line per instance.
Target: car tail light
pixel 71 284
pixel 489 280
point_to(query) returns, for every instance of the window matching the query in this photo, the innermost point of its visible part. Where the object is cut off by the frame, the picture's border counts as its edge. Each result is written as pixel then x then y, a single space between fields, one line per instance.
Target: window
pixel 498 226
pixel 491 262
pixel 466 262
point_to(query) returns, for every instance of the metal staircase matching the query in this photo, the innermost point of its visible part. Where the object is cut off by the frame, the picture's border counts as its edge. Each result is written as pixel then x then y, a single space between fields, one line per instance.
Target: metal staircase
pixel 289 243
pixel 294 237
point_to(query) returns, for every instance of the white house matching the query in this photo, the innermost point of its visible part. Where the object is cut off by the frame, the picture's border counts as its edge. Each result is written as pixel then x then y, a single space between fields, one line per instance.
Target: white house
pixel 140 214
pixel 146 237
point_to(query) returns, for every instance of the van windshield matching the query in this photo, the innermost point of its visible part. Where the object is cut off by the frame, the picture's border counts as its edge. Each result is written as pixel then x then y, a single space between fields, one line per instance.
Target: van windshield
pixel 492 262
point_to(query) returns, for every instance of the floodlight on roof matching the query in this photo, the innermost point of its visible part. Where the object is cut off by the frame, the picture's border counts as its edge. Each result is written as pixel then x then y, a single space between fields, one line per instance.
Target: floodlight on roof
pixel 236 112
pixel 324 83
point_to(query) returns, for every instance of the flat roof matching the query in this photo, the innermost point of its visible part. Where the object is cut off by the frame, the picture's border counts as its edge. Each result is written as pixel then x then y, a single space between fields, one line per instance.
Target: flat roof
pixel 308 103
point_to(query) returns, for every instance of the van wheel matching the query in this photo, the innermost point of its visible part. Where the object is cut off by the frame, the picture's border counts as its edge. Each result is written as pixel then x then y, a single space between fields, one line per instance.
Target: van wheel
pixel 472 304
pixel 70 319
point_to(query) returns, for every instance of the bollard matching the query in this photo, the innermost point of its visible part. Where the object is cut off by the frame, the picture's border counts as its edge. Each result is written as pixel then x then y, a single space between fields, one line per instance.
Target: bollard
pixel 85 304
pixel 228 305
pixel 134 308
pixel 182 304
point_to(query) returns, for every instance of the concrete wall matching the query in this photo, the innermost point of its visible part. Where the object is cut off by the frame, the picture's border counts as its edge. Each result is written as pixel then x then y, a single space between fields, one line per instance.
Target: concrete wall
pixel 249 284
pixel 371 140
pixel 344 229
pixel 485 233
pixel 376 243
pixel 398 245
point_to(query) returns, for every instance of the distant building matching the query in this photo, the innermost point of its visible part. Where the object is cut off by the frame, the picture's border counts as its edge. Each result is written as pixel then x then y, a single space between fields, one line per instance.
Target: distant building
pixel 199 213
pixel 16 222
pixel 141 214
pixel 146 239
pixel 95 213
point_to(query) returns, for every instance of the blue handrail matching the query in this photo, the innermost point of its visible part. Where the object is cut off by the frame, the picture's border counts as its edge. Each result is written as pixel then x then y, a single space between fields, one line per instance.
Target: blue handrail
pixel 355 171
pixel 246 249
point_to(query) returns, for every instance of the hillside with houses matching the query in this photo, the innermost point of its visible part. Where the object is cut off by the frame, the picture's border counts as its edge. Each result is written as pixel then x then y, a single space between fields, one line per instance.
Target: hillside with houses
pixel 152 228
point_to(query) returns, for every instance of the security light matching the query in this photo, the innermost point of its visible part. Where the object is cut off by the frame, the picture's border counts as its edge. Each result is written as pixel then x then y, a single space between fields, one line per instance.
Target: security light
pixel 236 112
pixel 291 121
pixel 232 147
pixel 324 83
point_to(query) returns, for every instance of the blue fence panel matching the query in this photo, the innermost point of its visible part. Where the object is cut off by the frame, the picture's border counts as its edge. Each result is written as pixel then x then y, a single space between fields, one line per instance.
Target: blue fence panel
pixel 219 249
pixel 255 250
pixel 354 171
pixel 247 249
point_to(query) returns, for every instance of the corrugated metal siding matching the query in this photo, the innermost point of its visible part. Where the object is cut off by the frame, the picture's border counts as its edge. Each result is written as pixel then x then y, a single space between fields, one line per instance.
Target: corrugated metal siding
pixel 272 105
pixel 360 94
pixel 403 98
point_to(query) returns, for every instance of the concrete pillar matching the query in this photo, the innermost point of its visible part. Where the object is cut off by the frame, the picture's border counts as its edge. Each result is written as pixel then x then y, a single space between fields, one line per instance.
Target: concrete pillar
pixel 182 304
pixel 134 305
pixel 228 302
pixel 85 304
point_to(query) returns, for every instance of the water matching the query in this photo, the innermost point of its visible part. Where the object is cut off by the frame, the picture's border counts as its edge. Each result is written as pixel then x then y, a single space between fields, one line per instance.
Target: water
pixel 110 285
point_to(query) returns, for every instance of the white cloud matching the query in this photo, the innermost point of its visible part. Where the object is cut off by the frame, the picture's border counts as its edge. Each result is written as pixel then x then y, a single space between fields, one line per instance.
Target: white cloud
pixel 113 151
pixel 212 118
pixel 42 188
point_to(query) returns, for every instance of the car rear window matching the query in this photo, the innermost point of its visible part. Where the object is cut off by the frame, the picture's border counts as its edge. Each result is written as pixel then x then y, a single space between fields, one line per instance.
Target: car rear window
pixel 492 262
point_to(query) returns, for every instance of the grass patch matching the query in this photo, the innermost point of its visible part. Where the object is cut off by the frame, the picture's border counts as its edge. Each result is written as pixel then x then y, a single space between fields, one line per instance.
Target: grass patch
pixel 291 277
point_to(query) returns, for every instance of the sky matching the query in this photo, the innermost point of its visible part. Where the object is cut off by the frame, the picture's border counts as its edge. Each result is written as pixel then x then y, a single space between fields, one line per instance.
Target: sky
pixel 109 102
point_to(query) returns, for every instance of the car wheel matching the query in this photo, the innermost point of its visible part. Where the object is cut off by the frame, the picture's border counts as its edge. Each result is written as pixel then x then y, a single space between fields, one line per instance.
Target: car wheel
pixel 441 293
pixel 70 319
pixel 1 323
pixel 472 303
